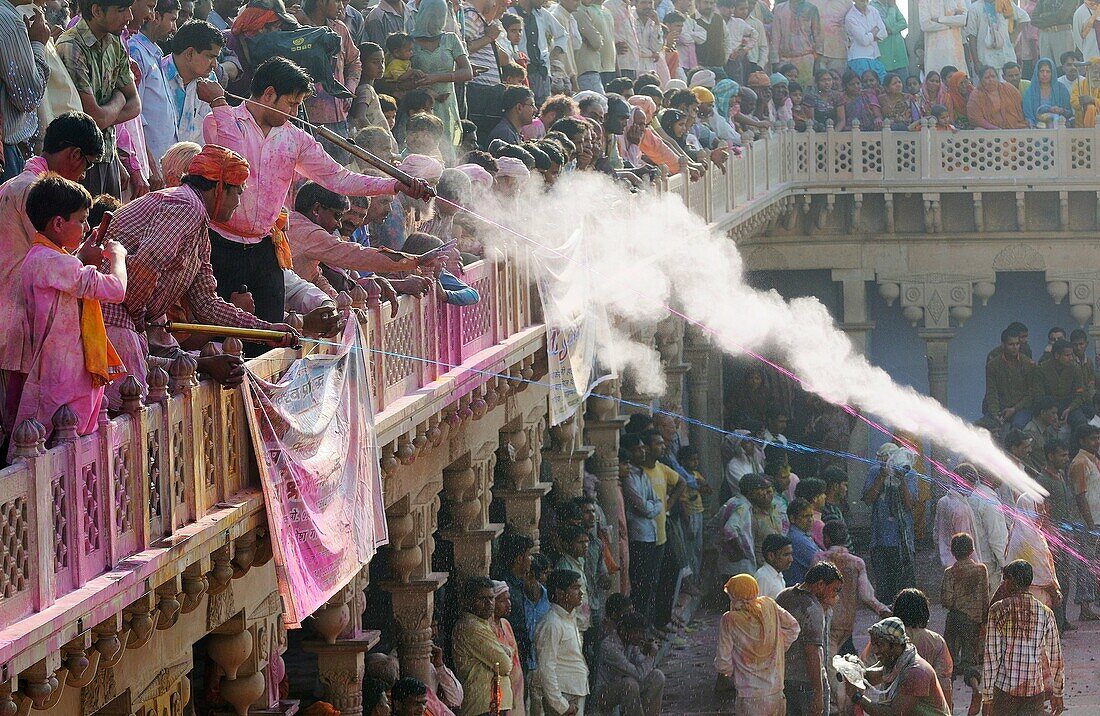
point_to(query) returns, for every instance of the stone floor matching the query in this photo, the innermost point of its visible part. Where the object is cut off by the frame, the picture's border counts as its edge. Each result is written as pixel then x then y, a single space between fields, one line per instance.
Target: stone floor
pixel 690 671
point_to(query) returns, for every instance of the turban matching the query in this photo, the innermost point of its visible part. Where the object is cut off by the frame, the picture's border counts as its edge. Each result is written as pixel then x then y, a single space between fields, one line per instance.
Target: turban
pixel 886 450
pixel 703 78
pixel 902 459
pixel 890 629
pixel 742 587
pixel 778 79
pixel 592 97
pixel 511 167
pixel 478 175
pixel 220 165
pixel 758 79
pixel 676 84
pixel 321 708
pixel 704 95
pixel 174 163
pixel 499 587
pixel 252 20
pixel 422 167
pixel 646 104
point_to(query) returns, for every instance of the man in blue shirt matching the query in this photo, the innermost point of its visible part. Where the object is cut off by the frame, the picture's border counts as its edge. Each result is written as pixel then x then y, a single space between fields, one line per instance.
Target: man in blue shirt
pixel 158 108
pixel 801 515
pixel 891 491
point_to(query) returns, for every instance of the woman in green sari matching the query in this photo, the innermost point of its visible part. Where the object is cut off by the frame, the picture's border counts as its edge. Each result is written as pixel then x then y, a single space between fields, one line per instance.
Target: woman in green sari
pixel 442 57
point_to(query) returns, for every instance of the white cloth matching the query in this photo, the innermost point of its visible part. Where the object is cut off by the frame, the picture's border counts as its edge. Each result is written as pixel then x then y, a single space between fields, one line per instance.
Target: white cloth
pixel 1026 541
pixel 953 515
pixel 943 37
pixel 562 670
pixel 572 38
pixel 756 678
pixel 990 531
pixel 651 48
pixel 770 581
pixel 740 35
pixel 862 29
pixel 1087 44
pixel 626 30
pixel 758 55
pixel 991 34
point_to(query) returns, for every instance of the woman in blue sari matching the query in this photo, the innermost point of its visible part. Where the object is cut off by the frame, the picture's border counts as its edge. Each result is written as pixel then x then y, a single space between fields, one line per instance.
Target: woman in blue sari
pixel 1046 99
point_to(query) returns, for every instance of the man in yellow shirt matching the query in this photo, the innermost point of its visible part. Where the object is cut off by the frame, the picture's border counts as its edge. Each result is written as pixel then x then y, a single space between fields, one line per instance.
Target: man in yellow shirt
pixel 1085 95
pixel 668 486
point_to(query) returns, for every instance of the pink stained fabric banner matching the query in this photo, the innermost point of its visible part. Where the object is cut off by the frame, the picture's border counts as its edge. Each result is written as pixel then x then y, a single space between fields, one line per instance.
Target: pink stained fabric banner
pixel 318 458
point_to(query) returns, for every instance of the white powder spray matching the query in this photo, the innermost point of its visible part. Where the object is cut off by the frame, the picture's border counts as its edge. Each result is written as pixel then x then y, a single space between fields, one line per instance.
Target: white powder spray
pixel 646 253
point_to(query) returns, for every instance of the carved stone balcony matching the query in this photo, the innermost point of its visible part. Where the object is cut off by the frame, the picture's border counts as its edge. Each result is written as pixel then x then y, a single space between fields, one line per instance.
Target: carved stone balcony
pixel 161 506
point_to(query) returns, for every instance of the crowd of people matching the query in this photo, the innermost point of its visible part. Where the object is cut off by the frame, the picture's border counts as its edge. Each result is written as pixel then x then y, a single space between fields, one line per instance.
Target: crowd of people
pixel 1010 558
pixel 224 211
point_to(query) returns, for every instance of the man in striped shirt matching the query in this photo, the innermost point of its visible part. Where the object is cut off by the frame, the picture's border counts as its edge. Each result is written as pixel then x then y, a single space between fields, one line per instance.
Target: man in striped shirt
pixel 23 47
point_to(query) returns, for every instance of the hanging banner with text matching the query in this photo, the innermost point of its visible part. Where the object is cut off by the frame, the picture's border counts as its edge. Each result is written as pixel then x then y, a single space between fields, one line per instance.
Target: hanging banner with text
pixel 318 458
pixel 572 325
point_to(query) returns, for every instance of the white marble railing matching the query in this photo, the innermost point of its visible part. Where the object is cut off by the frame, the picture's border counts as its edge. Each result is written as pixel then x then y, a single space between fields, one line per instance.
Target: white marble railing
pixel 783 162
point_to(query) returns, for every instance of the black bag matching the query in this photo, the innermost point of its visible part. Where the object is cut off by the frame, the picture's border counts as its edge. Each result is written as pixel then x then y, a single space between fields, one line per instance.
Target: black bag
pixel 313 48
pixel 484 107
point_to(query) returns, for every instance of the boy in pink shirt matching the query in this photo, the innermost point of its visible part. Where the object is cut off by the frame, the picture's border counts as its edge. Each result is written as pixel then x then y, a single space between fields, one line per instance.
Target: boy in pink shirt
pixel 71 357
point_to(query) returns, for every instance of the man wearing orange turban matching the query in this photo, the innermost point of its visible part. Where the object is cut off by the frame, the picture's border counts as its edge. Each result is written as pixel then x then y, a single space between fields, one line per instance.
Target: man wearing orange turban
pixel 166 236
pixel 753 637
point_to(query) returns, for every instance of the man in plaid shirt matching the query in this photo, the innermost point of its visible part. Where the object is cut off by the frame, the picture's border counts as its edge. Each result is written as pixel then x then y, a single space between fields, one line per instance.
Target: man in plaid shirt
pixel 165 235
pixel 1023 666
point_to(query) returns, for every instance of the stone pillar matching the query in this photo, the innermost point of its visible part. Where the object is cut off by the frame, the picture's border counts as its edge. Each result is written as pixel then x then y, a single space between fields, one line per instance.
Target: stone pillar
pixel 232 646
pixel 669 339
pixel 342 645
pixel 520 457
pixel 566 455
pixel 467 484
pixel 854 288
pixel 936 342
pixel 856 324
pixel 705 402
pixel 634 401
pixel 602 424
pixel 412 582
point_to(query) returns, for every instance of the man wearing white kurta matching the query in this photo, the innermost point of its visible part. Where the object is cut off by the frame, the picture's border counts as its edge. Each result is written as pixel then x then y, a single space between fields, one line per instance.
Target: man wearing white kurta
pixel 988 35
pixel 865 29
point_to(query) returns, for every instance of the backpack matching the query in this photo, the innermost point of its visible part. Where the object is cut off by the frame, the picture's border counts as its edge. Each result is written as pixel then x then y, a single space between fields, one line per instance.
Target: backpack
pixel 313 48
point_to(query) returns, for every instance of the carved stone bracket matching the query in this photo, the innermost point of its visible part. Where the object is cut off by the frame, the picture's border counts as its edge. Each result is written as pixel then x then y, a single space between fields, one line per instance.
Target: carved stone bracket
pixel 937 299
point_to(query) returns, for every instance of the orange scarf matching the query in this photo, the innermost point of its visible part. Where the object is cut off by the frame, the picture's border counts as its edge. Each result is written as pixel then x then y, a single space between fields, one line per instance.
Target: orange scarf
pixel 100 358
pixel 278 237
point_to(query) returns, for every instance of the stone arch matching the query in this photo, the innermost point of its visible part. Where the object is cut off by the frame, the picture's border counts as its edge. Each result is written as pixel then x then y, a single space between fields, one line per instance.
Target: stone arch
pixel 1019 257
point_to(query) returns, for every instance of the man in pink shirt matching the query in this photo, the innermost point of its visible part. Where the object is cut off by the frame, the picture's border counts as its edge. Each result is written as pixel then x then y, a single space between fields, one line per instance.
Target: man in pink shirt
pixel 244 250
pixel 314 240
pixel 72 143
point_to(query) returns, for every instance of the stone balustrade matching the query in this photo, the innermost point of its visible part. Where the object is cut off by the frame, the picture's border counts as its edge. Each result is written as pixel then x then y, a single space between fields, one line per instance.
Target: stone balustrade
pixel 92 524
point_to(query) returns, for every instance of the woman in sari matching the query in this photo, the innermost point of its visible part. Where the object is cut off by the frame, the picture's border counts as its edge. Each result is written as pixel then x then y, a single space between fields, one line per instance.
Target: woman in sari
pixel 1026 541
pixel 932 92
pixel 826 99
pixel 899 111
pixel 860 105
pixel 1046 101
pixel 753 637
pixel 995 104
pixel 442 57
pixel 674 125
pixel 959 89
pixel 506 637
pixel 650 146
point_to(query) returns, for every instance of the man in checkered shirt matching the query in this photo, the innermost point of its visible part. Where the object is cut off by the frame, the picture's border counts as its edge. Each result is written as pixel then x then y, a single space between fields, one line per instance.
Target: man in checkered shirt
pixel 1023 666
